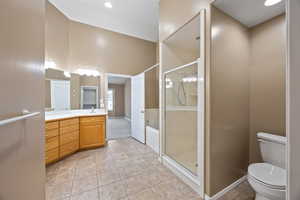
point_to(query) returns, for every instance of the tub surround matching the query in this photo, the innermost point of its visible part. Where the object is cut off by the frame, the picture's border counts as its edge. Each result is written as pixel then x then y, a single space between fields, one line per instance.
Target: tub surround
pixel 70 131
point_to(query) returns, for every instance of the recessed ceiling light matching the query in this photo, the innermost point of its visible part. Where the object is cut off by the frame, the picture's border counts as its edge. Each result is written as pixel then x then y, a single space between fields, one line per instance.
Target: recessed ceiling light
pixel 272 2
pixel 108 4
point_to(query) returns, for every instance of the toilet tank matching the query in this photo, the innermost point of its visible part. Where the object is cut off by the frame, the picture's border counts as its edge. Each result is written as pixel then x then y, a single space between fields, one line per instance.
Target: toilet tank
pixel 272 148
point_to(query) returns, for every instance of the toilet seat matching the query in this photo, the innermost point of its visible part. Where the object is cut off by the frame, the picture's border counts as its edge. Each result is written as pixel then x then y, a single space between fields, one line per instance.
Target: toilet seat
pixel 268 175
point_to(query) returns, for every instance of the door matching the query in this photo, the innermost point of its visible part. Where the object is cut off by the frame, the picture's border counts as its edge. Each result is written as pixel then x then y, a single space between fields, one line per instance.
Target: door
pixel 22 162
pixel 60 95
pixel 138 107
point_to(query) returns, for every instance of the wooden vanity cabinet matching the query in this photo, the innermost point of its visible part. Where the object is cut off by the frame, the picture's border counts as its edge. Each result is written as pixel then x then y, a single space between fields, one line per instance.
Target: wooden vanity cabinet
pixel 69 136
pixel 52 142
pixel 92 132
pixel 66 136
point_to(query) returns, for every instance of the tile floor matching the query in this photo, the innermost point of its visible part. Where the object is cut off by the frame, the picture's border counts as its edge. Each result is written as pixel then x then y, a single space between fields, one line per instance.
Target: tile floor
pixel 241 192
pixel 118 128
pixel 124 170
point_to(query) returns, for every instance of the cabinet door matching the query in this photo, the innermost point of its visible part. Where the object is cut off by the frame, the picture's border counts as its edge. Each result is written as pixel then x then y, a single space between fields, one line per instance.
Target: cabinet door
pixel 92 134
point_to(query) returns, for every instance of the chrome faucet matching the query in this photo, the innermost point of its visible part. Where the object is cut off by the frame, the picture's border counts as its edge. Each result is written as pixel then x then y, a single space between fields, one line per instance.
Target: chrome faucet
pixel 93 109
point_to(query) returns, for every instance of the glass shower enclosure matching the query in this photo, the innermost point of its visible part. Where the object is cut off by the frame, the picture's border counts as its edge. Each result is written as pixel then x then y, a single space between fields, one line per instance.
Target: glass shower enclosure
pixel 181 115
pixel 182 100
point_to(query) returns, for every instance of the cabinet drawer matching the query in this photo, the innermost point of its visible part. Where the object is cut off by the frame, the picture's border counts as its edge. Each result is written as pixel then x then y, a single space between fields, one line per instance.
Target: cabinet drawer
pixel 52 143
pixel 52 125
pixel 52 133
pixel 69 148
pixel 68 122
pixel 69 137
pixel 51 155
pixel 69 129
pixel 92 119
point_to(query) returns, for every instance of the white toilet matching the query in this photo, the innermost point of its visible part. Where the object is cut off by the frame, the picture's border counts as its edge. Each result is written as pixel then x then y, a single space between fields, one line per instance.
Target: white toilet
pixel 268 179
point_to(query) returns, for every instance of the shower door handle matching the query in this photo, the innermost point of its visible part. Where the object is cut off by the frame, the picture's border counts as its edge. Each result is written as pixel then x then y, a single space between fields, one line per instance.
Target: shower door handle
pixel 142 111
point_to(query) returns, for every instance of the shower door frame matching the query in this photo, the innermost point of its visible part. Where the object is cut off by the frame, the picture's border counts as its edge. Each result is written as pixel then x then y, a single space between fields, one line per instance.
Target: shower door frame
pixel 195 181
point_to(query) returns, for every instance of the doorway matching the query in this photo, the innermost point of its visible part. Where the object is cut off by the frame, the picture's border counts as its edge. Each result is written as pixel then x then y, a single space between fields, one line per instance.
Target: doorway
pixel 118 106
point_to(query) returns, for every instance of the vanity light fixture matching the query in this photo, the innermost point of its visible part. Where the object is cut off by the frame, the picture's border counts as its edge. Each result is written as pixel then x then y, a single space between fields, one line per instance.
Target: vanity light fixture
pixel 272 2
pixel 169 83
pixel 67 74
pixel 108 4
pixel 87 72
pixel 50 64
pixel 189 79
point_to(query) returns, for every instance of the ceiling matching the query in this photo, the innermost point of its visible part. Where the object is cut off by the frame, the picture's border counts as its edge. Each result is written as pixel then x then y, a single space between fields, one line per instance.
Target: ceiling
pixel 250 12
pixel 117 80
pixel 137 18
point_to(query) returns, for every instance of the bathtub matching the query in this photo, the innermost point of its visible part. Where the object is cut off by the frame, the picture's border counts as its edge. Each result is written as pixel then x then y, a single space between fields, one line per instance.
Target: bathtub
pixel 152 138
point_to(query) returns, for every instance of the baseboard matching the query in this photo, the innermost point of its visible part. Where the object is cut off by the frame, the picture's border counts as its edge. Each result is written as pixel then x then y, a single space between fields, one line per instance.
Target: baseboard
pixel 182 174
pixel 227 189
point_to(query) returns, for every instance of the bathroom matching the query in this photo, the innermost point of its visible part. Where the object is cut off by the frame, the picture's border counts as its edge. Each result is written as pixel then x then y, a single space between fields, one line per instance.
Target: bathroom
pixel 149 99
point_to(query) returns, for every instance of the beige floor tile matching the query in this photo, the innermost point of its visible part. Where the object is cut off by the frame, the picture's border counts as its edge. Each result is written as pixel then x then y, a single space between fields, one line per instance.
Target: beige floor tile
pixel 131 170
pixel 114 191
pixel 108 178
pixel 85 171
pixel 136 184
pixel 148 194
pixel 88 195
pixel 84 184
pixel 124 170
pixel 66 165
pixel 167 191
pixel 181 187
pixel 151 177
pixel 64 177
pixel 58 191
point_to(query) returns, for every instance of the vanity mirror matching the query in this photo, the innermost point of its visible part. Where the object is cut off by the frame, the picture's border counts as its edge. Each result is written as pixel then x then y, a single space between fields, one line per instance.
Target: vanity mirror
pixel 65 91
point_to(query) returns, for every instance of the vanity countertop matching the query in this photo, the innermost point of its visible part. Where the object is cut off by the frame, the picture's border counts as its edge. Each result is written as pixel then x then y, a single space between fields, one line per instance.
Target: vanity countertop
pixel 57 115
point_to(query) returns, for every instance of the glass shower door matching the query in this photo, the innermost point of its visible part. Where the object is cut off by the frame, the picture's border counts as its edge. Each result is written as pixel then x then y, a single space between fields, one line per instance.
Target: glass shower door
pixel 181 115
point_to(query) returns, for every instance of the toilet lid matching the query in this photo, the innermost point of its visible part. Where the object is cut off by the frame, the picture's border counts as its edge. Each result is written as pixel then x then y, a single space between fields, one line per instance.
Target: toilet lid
pixel 268 174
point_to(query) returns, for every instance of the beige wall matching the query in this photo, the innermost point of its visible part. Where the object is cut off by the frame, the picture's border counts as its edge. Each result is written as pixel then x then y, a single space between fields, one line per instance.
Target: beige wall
pixel 127 91
pixel 229 121
pixel 152 88
pixel 75 91
pixel 109 51
pixel 252 68
pixel 72 45
pixel 47 94
pixel 152 97
pixel 267 85
pixel 119 100
pixel 57 37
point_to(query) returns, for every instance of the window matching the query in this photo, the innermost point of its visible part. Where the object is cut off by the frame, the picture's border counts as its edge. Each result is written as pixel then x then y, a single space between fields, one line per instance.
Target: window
pixel 110 100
